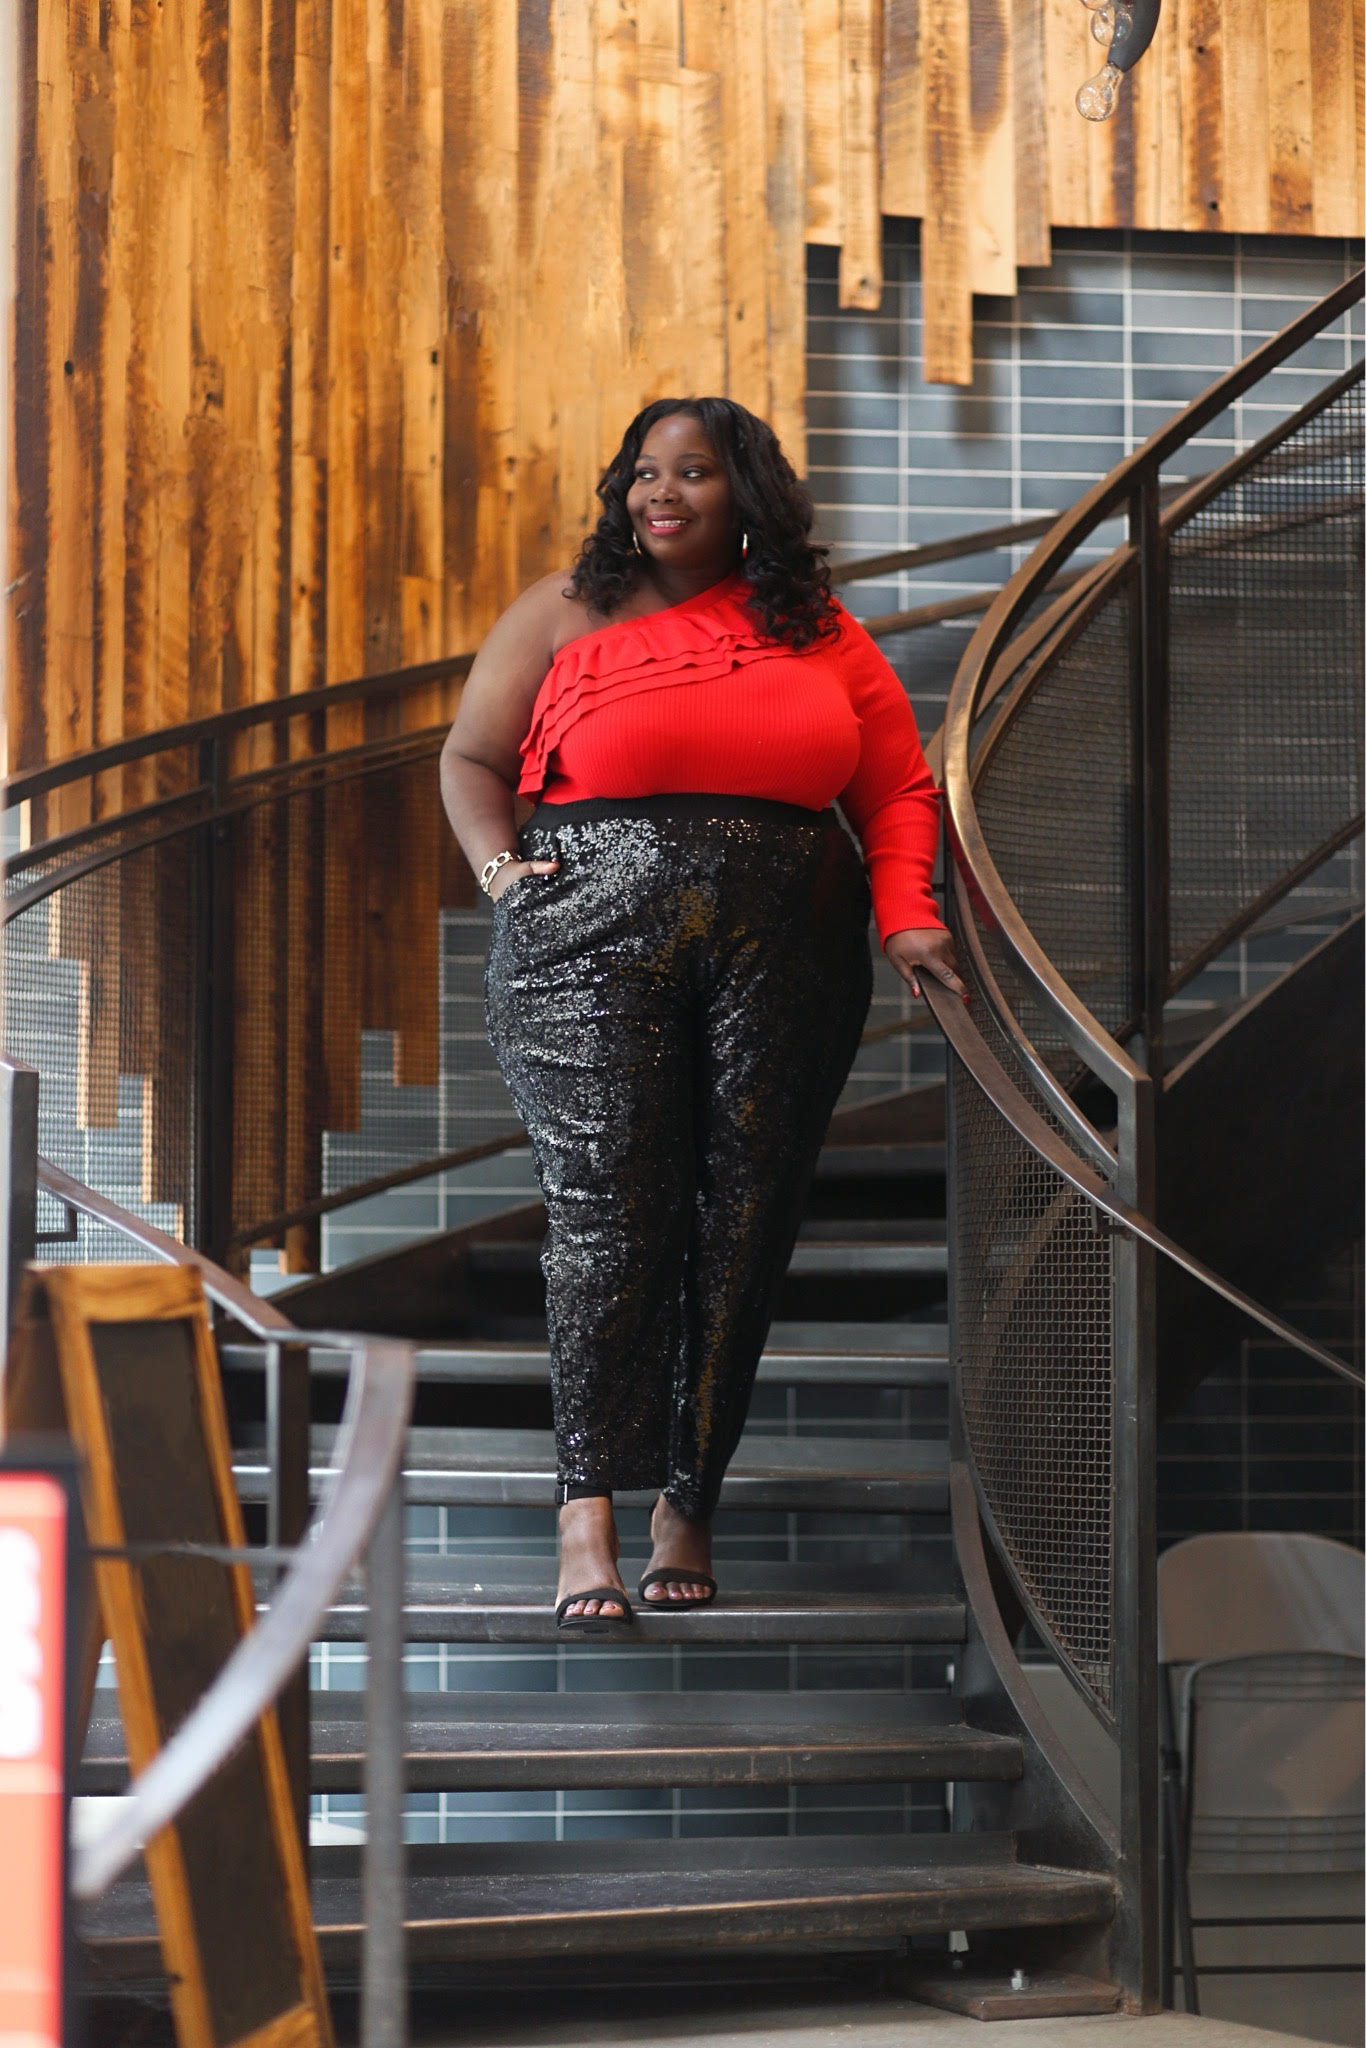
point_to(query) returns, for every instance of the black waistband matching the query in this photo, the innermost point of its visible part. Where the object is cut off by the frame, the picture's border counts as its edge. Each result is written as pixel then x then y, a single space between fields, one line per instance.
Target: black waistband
pixel 684 805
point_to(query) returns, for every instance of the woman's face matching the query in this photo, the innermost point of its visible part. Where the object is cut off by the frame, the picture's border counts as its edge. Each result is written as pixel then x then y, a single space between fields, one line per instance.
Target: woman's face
pixel 680 503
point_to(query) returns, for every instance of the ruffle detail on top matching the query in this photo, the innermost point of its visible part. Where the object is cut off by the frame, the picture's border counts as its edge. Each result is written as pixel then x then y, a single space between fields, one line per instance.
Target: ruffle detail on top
pixel 704 637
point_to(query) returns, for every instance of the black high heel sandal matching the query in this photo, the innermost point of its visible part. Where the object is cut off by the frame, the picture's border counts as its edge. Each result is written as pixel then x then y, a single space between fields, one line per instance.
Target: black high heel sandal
pixel 595 1624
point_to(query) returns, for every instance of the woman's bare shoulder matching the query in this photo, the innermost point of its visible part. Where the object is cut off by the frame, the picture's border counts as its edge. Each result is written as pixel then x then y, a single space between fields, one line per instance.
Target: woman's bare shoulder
pixel 545 618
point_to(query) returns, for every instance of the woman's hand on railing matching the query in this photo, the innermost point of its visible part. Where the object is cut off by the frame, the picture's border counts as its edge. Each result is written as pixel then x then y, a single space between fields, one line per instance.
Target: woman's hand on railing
pixel 926 950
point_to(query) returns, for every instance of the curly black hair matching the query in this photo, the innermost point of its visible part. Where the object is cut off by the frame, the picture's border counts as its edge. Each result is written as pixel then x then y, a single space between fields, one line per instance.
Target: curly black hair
pixel 791 583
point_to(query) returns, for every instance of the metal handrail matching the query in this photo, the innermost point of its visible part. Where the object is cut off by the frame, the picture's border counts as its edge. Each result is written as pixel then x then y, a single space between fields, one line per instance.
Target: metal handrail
pixel 360 1516
pixel 1103 501
pixel 1119 1185
pixel 28 783
pixel 951 1015
pixel 258 1317
pixel 980 680
pixel 373 1427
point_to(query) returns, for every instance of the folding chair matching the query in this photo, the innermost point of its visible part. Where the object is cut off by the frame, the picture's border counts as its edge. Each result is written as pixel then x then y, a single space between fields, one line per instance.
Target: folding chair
pixel 1261 1641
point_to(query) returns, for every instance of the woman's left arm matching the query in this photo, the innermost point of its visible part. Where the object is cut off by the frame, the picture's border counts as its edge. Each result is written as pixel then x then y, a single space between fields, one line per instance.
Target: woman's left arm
pixel 893 805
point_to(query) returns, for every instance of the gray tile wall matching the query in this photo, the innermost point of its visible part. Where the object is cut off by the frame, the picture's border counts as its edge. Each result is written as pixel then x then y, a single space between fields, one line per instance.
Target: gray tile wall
pixel 1094 354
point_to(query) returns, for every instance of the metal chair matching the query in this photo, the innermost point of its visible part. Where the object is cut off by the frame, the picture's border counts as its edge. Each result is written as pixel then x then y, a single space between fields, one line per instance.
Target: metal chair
pixel 1261 1642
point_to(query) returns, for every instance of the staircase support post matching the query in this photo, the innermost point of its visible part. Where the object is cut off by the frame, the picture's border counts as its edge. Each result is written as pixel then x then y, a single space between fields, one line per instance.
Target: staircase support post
pixel 18 1182
pixel 1152 741
pixel 1134 1623
pixel 214 983
pixel 1135 1277
pixel 287 1420
pixel 384 1967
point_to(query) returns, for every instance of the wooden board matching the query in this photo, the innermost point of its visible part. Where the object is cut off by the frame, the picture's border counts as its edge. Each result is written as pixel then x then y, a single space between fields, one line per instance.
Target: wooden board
pixel 991 72
pixel 126 1354
pixel 946 282
pixel 330 312
pixel 860 153
pixel 903 111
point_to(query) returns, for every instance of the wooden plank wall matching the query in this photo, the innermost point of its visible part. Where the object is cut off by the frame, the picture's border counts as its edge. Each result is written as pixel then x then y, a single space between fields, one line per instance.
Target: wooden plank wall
pixel 329 311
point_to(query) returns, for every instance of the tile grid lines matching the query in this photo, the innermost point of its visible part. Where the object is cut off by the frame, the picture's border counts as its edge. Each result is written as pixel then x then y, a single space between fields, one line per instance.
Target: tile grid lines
pixel 1128 275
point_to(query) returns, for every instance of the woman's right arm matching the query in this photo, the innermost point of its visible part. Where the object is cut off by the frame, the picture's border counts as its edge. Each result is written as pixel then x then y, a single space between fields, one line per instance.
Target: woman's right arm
pixel 480 761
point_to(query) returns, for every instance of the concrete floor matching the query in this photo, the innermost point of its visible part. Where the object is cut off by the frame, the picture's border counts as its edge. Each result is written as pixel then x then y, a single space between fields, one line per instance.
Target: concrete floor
pixel 768 2022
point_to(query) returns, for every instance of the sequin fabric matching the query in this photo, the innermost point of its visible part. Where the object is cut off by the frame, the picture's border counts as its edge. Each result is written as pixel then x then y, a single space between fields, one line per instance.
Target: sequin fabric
pixel 675 1012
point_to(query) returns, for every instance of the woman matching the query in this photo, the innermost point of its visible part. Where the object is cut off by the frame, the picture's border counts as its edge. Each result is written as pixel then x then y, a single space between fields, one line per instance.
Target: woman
pixel 679 971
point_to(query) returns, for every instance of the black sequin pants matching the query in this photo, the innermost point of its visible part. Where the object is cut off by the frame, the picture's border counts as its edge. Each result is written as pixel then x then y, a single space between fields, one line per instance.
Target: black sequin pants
pixel 674 1012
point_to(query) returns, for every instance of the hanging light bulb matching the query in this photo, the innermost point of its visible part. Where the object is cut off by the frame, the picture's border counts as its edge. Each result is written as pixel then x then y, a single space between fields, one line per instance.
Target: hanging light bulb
pixel 1099 96
pixel 1112 22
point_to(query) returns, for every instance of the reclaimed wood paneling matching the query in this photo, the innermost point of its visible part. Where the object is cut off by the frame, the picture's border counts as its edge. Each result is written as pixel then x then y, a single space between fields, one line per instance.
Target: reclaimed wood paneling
pixel 785 405
pixel 860 154
pixel 703 365
pixel 1029 111
pixel 1246 154
pixel 330 311
pixel 945 235
pixel 1335 130
pixel 1202 122
pixel 1290 99
pixel 824 70
pixel 903 111
pixel 744 143
pixel 1070 55
pixel 479 209
pixel 991 223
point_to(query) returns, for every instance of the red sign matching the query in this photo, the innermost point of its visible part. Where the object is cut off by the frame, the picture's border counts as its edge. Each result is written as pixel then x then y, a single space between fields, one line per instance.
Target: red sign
pixel 33 1537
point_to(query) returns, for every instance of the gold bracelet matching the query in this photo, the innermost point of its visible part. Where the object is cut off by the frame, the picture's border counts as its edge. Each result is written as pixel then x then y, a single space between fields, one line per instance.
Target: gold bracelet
pixel 491 867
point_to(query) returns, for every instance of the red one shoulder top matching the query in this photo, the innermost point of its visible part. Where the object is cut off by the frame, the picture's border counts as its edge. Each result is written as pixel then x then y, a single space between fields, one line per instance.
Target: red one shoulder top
pixel 695 698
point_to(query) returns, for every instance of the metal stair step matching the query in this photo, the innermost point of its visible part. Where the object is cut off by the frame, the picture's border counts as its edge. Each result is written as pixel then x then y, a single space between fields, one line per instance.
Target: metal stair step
pixel 922 1230
pixel 890 1355
pixel 472 1741
pixel 576 1898
pixel 881 1162
pixel 511 1600
pixel 888 1255
pixel 811 1256
pixel 842 1341
pixel 516 1468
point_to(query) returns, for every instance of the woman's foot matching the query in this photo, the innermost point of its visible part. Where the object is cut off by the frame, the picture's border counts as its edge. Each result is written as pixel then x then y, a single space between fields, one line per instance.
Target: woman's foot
pixel 680 1546
pixel 588 1557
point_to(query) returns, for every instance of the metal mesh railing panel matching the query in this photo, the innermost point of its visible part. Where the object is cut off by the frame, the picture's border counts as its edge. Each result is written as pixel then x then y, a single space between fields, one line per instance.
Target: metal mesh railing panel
pixel 1055 801
pixel 1033 1323
pixel 100 997
pixel 361 1049
pixel 345 942
pixel 1265 662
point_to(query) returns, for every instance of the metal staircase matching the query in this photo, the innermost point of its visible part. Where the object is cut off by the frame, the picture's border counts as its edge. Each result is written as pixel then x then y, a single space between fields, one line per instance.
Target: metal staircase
pixel 864 1306
pixel 952 1436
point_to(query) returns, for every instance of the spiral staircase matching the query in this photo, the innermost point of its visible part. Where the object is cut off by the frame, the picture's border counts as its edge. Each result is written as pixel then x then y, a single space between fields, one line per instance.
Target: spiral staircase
pixel 1004 1275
